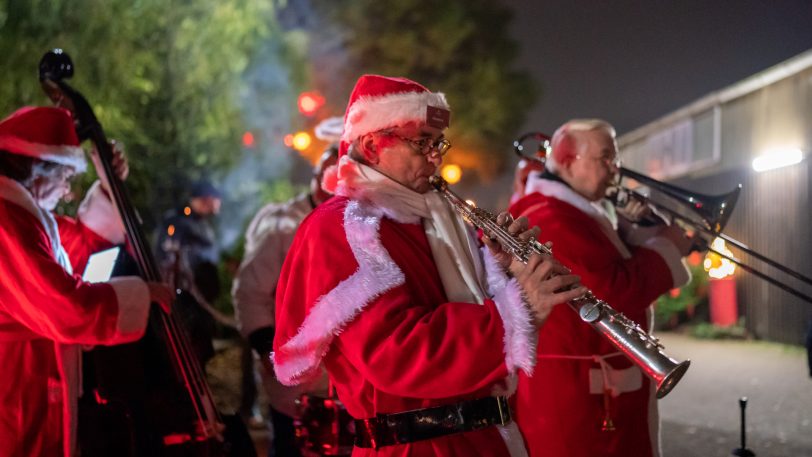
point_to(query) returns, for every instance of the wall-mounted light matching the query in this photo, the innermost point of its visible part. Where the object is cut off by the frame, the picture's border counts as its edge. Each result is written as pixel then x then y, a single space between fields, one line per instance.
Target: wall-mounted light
pixel 777 158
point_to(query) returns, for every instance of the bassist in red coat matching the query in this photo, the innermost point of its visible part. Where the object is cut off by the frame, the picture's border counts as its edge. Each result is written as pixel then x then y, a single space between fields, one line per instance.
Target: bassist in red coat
pixel 47 313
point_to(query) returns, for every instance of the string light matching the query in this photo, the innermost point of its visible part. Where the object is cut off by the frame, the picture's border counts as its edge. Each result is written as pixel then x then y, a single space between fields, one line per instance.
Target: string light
pixel 248 139
pixel 310 102
pixel 301 141
pixel 451 173
pixel 717 266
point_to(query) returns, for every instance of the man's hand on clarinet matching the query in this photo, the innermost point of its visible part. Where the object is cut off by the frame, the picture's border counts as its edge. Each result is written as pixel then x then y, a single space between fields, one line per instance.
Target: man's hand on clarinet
pixel 517 228
pixel 546 283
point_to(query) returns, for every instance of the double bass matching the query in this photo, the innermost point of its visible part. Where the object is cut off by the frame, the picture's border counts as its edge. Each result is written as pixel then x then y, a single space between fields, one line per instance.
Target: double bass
pixel 148 398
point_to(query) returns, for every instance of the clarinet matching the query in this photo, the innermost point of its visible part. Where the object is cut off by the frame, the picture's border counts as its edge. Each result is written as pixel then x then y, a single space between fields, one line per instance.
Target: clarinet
pixel 626 335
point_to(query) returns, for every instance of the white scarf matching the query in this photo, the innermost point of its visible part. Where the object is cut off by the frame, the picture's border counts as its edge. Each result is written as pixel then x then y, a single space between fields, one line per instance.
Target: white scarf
pixel 597 211
pixel 452 243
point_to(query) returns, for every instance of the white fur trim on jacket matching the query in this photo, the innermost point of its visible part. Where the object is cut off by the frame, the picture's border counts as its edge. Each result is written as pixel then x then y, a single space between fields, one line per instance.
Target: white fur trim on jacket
pixel 299 359
pixel 73 156
pixel 521 336
pixel 641 237
pixel 647 237
pixel 131 293
pixel 99 214
pixel 560 191
pixel 370 114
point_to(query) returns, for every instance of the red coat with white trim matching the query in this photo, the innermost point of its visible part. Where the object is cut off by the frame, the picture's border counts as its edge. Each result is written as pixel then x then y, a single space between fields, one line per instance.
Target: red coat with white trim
pixel 361 294
pixel 556 412
pixel 45 314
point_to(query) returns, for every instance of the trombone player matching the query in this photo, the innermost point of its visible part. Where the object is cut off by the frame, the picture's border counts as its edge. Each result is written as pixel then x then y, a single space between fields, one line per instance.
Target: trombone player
pixel 585 398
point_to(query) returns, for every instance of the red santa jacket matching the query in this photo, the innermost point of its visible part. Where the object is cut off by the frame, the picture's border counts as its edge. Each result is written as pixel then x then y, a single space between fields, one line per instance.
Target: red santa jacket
pixel 360 293
pixel 46 313
pixel 555 409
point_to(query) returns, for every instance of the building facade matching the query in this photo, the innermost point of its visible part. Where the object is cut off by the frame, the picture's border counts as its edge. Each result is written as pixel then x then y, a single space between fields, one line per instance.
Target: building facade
pixel 709 147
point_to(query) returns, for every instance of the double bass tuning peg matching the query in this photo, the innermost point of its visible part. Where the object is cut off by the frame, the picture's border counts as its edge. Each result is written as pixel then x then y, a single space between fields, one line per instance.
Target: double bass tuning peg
pixel 55 65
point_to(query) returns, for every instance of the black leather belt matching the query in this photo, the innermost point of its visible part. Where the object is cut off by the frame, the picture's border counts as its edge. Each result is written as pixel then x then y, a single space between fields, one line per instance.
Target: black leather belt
pixel 428 423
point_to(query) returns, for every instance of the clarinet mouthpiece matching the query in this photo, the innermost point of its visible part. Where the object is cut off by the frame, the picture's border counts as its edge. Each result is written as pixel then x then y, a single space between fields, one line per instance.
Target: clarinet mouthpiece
pixel 438 183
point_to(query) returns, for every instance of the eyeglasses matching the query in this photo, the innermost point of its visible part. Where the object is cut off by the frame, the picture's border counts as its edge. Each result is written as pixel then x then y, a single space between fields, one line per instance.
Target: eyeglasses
pixel 425 146
pixel 609 161
pixel 68 174
pixel 57 172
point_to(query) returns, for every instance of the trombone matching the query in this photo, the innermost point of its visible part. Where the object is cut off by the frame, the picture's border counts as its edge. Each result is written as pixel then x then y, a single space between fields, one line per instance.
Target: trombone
pixel 710 212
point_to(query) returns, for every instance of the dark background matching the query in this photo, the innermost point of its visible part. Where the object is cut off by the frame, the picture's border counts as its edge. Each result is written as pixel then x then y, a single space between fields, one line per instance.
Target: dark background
pixel 632 61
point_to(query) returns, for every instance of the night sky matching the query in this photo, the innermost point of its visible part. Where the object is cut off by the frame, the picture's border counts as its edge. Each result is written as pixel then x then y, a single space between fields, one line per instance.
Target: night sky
pixel 632 61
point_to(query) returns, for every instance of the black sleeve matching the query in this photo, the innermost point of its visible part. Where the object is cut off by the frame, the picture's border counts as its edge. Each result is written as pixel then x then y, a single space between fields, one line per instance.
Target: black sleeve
pixel 261 340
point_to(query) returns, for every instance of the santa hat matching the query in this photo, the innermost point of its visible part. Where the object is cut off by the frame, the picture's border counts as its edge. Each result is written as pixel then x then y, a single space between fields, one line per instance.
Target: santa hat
pixel 380 102
pixel 45 133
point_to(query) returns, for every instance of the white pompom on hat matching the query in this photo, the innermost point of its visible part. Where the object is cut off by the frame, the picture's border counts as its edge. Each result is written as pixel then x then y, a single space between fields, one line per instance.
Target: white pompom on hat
pixel 43 132
pixel 381 102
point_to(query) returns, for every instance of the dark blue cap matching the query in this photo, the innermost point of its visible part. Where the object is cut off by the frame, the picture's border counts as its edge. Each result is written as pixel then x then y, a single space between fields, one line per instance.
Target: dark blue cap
pixel 205 188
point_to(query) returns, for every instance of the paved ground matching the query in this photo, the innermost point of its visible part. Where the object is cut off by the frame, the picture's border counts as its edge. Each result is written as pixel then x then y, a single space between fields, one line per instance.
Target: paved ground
pixel 700 417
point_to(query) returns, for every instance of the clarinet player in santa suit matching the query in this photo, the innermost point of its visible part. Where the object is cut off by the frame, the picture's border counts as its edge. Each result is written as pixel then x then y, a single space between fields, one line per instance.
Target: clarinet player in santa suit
pixel 419 328
pixel 47 313
pixel 585 398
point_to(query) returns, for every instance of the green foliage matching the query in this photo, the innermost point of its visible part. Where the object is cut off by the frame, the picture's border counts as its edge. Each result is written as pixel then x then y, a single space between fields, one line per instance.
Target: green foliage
pixel 164 77
pixel 706 330
pixel 459 47
pixel 669 306
pixel 280 191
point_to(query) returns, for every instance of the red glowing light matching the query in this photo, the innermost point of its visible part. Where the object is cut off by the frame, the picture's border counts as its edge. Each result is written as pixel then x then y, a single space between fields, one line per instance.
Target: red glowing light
pixel 694 259
pixel 310 102
pixel 289 140
pixel 177 438
pixel 248 139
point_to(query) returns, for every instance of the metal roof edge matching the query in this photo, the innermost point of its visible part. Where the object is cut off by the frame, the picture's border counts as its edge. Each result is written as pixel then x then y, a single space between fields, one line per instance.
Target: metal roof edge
pixel 762 79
